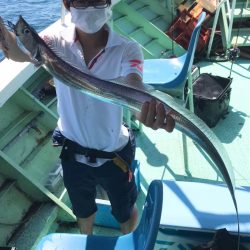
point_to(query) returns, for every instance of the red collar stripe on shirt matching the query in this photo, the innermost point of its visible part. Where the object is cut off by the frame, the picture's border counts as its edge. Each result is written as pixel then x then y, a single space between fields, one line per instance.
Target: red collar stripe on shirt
pixel 90 66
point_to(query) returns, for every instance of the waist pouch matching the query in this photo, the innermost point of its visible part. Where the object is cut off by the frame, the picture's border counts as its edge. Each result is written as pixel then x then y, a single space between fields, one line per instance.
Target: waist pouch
pixel 70 148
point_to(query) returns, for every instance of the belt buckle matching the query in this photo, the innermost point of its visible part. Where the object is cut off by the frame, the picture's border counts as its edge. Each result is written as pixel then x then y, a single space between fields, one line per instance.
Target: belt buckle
pixel 90 158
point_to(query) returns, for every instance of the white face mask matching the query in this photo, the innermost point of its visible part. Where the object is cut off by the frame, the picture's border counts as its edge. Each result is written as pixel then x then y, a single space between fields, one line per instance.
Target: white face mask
pixel 90 20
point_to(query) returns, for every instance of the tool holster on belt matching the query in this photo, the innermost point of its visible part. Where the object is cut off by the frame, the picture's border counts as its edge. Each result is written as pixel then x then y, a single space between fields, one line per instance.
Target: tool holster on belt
pixel 125 157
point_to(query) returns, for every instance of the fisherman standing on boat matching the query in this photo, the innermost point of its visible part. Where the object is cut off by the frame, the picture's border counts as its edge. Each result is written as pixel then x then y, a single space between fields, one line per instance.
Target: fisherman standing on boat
pixel 98 148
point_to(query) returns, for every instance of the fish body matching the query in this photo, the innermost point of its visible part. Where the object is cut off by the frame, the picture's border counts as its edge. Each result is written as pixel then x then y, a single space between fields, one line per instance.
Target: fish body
pixel 128 96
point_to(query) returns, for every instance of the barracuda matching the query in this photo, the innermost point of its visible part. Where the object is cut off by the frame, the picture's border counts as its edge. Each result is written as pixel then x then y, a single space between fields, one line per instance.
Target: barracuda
pixel 128 96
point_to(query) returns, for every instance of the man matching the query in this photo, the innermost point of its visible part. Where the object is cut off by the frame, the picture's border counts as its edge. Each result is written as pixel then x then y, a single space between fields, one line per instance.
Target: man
pixel 98 148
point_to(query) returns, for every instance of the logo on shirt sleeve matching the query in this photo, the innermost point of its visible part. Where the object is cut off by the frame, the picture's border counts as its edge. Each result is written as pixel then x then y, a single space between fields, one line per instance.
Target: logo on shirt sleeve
pixel 136 64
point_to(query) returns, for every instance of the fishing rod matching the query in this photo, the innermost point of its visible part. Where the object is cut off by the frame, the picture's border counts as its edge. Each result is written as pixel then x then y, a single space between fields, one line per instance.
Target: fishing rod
pixel 234 52
pixel 231 54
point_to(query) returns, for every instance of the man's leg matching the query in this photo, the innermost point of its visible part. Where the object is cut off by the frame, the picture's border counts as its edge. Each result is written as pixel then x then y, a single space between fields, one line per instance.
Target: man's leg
pixel 86 224
pixel 122 194
pixel 131 223
pixel 82 192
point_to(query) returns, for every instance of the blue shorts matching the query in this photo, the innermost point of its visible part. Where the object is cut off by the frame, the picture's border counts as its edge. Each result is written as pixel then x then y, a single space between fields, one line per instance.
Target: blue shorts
pixel 81 180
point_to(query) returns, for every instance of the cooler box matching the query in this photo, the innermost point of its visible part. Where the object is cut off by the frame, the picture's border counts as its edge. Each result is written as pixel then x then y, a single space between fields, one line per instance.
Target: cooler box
pixel 203 207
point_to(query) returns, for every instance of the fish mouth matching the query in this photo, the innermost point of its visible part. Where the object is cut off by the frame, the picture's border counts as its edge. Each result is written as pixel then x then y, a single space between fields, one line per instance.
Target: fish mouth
pixel 37 58
pixel 21 45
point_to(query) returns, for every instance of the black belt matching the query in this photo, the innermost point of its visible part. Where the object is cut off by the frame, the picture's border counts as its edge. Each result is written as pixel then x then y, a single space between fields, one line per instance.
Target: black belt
pixel 90 153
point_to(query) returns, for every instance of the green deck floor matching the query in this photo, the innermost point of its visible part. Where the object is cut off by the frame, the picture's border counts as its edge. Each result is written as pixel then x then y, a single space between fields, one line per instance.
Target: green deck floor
pixel 161 154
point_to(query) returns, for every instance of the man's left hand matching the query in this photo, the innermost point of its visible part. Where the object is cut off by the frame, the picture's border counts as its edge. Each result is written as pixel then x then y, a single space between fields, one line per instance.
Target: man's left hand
pixel 154 115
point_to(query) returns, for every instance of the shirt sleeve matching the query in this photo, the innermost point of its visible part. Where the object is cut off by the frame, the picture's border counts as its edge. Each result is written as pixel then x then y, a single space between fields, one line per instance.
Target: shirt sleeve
pixel 132 61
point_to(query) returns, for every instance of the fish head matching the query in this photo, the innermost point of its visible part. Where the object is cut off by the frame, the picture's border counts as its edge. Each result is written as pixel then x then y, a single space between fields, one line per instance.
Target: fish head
pixel 28 39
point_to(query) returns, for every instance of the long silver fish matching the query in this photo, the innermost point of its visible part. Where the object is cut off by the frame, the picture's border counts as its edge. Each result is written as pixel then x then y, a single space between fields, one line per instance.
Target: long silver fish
pixel 128 96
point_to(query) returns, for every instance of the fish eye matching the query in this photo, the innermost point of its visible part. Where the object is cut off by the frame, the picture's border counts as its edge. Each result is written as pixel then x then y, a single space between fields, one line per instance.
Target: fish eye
pixel 26 31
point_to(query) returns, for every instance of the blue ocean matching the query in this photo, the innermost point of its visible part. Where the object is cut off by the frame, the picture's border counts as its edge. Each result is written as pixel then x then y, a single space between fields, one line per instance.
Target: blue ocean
pixel 38 13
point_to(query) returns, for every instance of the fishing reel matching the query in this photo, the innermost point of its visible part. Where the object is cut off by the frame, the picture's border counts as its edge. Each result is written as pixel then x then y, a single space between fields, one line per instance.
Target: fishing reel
pixel 233 53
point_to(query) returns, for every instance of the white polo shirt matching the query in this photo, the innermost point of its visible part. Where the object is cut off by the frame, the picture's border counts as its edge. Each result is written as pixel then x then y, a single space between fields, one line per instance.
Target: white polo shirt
pixel 90 122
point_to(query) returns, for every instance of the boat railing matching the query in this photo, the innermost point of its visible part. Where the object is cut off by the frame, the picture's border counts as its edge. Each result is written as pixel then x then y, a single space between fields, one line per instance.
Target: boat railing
pixel 225 8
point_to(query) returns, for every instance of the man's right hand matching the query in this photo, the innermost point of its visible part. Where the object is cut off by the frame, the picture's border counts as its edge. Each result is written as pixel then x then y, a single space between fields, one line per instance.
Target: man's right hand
pixel 8 45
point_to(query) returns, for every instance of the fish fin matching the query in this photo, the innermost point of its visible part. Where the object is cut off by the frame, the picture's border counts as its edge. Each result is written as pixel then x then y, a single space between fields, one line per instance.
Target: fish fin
pixel 51 44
